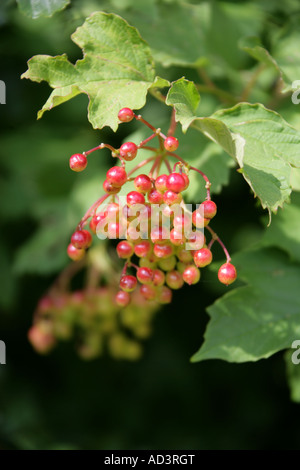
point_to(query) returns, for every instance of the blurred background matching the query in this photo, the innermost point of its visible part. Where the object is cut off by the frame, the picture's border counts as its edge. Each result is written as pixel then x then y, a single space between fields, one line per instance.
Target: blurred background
pixel 158 400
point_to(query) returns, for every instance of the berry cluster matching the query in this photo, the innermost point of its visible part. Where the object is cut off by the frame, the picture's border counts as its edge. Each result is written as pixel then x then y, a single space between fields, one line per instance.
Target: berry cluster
pixel 162 239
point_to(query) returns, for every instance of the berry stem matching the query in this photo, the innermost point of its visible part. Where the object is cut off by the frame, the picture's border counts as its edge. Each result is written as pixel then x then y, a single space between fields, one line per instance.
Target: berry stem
pixel 167 163
pixel 91 211
pixel 155 164
pixel 173 124
pixel 139 118
pixel 208 183
pixel 124 269
pixel 141 164
pixel 99 147
pixel 215 237
pixel 147 140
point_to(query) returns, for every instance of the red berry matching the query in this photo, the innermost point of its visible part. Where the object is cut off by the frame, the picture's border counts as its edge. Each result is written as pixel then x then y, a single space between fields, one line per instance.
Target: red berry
pixel 175 182
pixel 125 115
pixel 142 183
pixel 176 237
pixel 122 298
pixel 186 179
pixel 145 275
pixel 171 144
pixel 174 279
pixel 81 239
pixel 227 274
pixel 159 235
pixel 155 197
pixel 117 176
pixel 110 188
pixel 164 295
pixel 163 251
pixel 78 162
pixel 112 211
pixel 209 209
pixel 183 222
pixel 95 221
pixel 75 254
pixel 42 341
pixel 128 151
pixel 128 283
pixel 148 292
pixel 191 275
pixel 202 257
pixel 158 277
pixel 142 249
pixel 170 197
pixel 125 249
pixel 115 230
pixel 135 198
pixel 161 183
pixel 198 220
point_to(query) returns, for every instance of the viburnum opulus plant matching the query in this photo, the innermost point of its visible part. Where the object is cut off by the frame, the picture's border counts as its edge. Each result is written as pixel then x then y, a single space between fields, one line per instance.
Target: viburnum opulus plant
pixel 160 241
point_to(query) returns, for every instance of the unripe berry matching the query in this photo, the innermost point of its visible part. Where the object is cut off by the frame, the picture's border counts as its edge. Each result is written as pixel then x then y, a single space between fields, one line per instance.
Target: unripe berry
pixel 74 253
pixel 41 340
pixel 145 275
pixel 122 298
pixel 128 151
pixel 161 183
pixel 227 274
pixel 148 292
pixel 147 263
pixel 155 197
pixel 198 220
pixel 174 279
pixel 202 257
pixel 175 182
pixel 125 115
pixel 163 251
pixel 171 144
pixel 209 209
pixel 100 217
pixel 191 275
pixel 117 176
pixel 128 283
pixel 135 198
pixel 78 162
pixel 125 249
pixel 170 197
pixel 164 295
pixel 81 239
pixel 109 188
pixel 158 277
pixel 184 255
pixel 142 249
pixel 167 264
pixel 142 183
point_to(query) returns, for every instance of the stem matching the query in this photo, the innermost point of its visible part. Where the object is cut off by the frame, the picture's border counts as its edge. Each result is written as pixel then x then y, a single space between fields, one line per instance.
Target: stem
pixel 211 87
pixel 248 88
pixel 215 237
pixel 124 269
pixel 208 183
pixel 139 118
pixel 146 140
pixel 141 164
pixel 99 147
pixel 91 211
pixel 173 123
pixel 166 162
pixel 156 162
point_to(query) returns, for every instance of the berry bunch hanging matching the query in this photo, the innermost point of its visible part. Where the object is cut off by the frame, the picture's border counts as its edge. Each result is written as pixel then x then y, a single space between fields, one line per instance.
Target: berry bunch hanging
pixel 162 239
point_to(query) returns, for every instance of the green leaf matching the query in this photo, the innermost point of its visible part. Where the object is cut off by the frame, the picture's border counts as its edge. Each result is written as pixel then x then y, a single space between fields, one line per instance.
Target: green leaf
pixel 117 70
pixel 293 373
pixel 284 232
pixel 260 140
pixel 255 49
pixel 36 8
pixel 257 320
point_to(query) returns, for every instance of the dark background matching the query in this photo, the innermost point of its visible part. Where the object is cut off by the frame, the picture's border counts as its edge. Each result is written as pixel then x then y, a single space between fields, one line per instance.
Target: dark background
pixel 161 401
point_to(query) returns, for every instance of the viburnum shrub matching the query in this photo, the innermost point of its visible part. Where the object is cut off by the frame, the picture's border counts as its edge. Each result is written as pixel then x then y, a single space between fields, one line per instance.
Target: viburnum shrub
pixel 178 151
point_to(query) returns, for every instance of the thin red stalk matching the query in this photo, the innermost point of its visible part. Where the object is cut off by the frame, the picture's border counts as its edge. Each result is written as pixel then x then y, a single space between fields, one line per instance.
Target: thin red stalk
pixel 124 269
pixel 166 161
pixel 101 146
pixel 215 237
pixel 156 162
pixel 139 118
pixel 173 123
pixel 141 164
pixel 146 140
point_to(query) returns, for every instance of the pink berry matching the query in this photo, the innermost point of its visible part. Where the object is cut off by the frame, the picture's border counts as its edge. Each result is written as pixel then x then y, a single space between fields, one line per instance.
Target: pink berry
pixel 198 220
pixel 163 251
pixel 171 144
pixel 227 274
pixel 110 188
pixel 128 151
pixel 142 249
pixel 186 179
pixel 159 235
pixel 170 197
pixel 158 277
pixel 135 198
pixel 78 162
pixel 175 182
pixel 142 183
pixel 176 237
pixel 174 279
pixel 75 254
pixel 81 239
pixel 117 176
pixel 122 298
pixel 41 340
pixel 115 230
pixel 202 257
pixel 155 197
pixel 161 183
pixel 148 292
pixel 125 115
pixel 128 283
pixel 125 249
pixel 145 275
pixel 209 209
pixel 196 240
pixel 191 275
